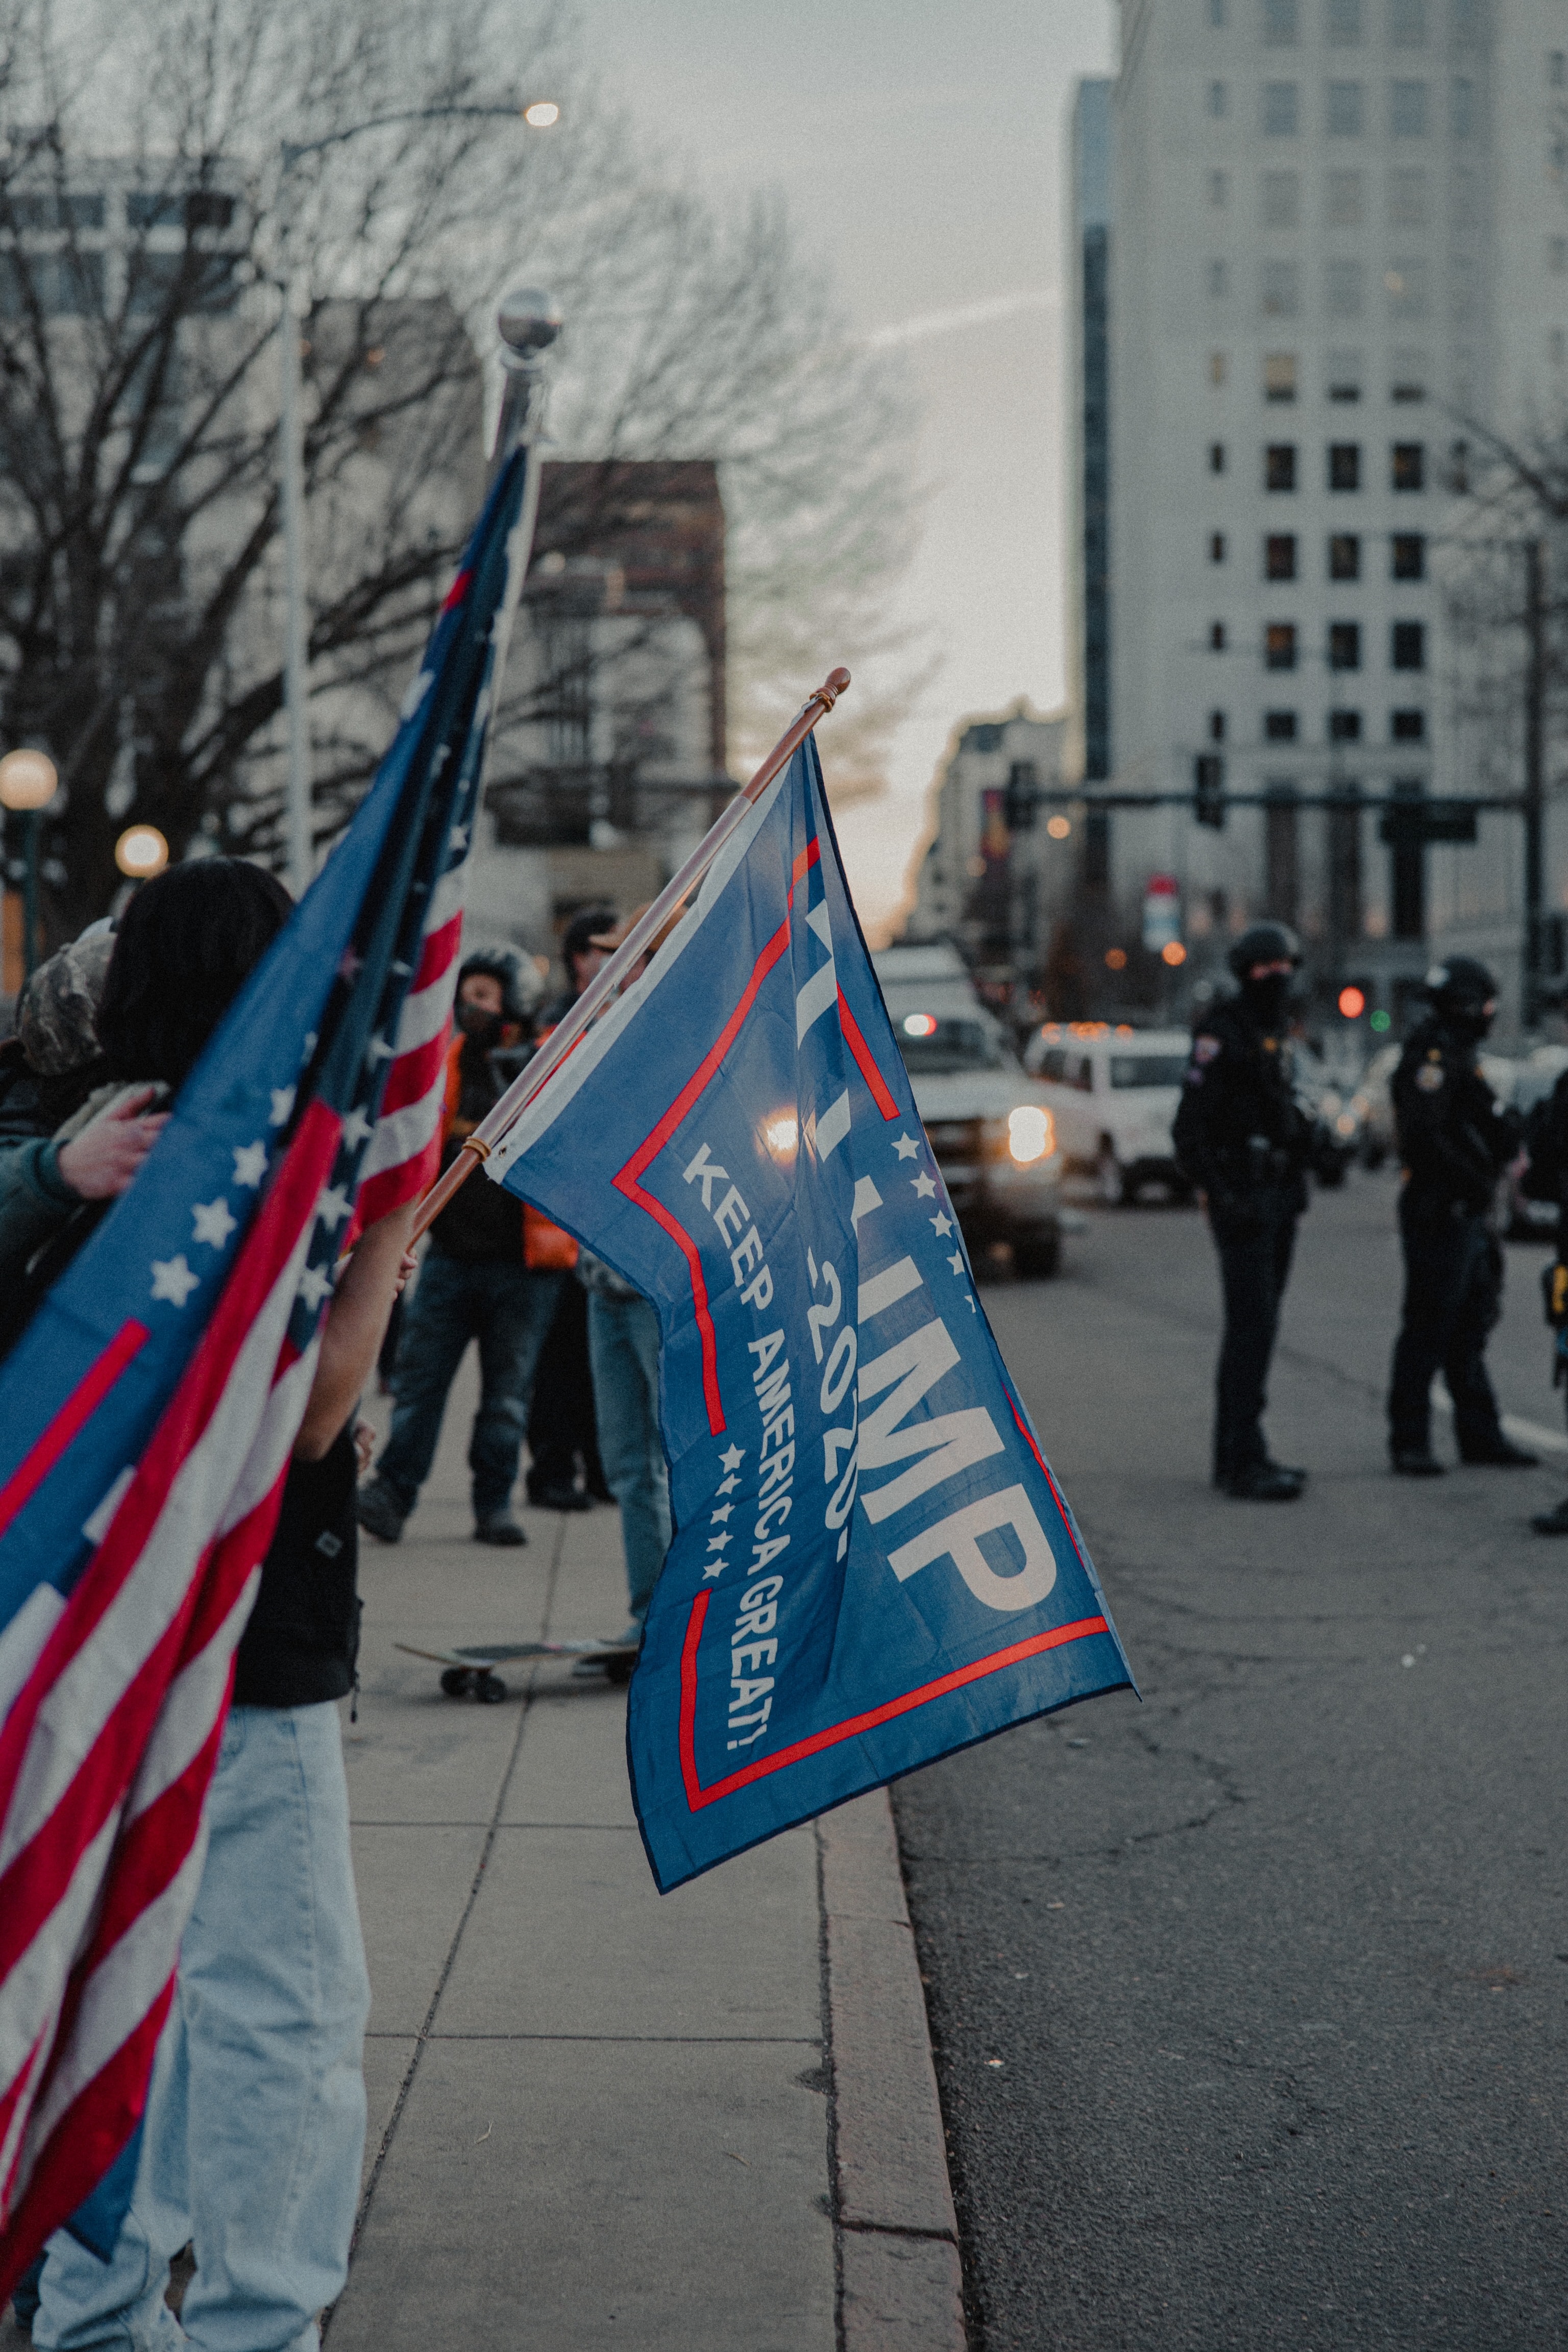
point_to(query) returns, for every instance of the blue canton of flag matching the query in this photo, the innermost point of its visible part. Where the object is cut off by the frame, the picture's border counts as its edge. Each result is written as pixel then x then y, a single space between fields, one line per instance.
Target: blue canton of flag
pixel 873 1564
pixel 148 1415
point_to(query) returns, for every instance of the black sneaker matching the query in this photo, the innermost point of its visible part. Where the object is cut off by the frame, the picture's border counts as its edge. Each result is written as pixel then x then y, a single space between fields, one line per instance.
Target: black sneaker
pixel 1552 1523
pixel 501 1528
pixel 1417 1461
pixel 558 1498
pixel 377 1510
pixel 1265 1482
pixel 1504 1456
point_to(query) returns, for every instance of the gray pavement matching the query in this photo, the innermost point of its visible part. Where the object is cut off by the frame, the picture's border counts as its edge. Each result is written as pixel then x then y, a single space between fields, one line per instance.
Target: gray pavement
pixel 1249 2002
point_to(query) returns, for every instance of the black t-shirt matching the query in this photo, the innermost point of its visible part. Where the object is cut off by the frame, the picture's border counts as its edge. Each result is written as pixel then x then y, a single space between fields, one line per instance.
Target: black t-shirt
pixel 300 1644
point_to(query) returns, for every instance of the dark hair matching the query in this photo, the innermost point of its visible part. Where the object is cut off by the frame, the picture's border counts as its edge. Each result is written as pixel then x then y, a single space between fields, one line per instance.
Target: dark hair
pixel 578 936
pixel 186 942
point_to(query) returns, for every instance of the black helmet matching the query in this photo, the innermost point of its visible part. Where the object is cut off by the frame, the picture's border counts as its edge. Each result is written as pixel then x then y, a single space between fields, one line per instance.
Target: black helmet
pixel 505 965
pixel 1264 943
pixel 1460 984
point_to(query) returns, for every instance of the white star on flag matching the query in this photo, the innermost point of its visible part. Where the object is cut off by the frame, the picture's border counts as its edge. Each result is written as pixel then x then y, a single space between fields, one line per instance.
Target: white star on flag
pixel 282 1104
pixel 380 1047
pixel 942 1225
pixel 357 1128
pixel 906 1147
pixel 956 1261
pixel 334 1207
pixel 314 1285
pixel 249 1163
pixel 213 1223
pixel 728 1486
pixel 724 1510
pixel 718 1542
pixel 711 1568
pixel 458 837
pixel 732 1456
pixel 923 1186
pixel 172 1279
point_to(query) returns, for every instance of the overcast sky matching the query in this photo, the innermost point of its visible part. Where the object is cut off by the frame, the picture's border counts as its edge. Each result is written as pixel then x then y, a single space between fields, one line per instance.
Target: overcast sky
pixel 920 144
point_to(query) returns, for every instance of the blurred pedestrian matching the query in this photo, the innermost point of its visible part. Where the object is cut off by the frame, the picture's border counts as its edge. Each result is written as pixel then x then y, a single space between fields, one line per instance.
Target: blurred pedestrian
pixel 1546 1178
pixel 1455 1139
pixel 474 1284
pixel 622 1335
pixel 1243 1142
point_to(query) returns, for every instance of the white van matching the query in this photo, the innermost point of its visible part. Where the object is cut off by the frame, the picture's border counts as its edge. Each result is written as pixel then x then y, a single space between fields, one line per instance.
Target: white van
pixel 988 1122
pixel 1113 1093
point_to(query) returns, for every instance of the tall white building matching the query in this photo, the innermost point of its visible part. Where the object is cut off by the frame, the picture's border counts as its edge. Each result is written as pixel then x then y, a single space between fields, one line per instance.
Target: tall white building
pixel 1341 241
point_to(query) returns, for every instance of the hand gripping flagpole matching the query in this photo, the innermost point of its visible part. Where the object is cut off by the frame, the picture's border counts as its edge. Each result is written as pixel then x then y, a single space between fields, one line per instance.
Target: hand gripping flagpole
pixel 608 980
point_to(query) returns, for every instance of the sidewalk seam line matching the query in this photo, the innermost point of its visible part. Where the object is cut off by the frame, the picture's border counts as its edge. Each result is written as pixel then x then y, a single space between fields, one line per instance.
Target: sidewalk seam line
pixel 830 2076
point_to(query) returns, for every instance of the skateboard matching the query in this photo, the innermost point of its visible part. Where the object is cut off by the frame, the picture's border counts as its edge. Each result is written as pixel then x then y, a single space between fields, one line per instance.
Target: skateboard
pixel 471 1672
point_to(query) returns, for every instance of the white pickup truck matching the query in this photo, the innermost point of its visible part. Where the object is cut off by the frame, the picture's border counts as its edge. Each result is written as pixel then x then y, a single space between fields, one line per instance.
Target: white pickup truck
pixel 988 1122
pixel 1112 1092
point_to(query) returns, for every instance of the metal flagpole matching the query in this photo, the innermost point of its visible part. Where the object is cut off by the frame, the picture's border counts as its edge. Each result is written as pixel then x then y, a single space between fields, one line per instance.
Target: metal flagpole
pixel 607 981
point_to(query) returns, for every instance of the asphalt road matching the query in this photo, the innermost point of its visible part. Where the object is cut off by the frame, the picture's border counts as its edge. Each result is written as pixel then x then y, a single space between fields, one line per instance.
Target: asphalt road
pixel 1251 2001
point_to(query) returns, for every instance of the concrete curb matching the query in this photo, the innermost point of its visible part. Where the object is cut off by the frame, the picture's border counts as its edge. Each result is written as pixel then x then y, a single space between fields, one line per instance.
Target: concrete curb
pixel 900 2286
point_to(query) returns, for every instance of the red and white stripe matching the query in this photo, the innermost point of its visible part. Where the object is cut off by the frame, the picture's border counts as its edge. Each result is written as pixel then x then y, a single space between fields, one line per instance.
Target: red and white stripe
pixel 110 1745
pixel 405 1151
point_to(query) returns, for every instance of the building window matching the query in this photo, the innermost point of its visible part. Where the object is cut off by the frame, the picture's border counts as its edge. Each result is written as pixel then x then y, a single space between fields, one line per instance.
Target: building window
pixel 1282 853
pixel 1557 68
pixel 1344 645
pixel 1280 556
pixel 1407 285
pixel 1408 198
pixel 1409 556
pixel 1408 387
pixel 1466 22
pixel 1462 108
pixel 1408 110
pixel 1216 547
pixel 1218 280
pixel 1556 347
pixel 1344 465
pixel 1407 24
pixel 1219 190
pixel 1343 110
pixel 1344 199
pixel 1219 12
pixel 1345 282
pixel 1407 645
pixel 1216 637
pixel 1344 725
pixel 1557 255
pixel 1216 367
pixel 1216 456
pixel 1281 30
pixel 1281 199
pixel 1279 375
pixel 1344 377
pixel 1216 727
pixel 1281 289
pixel 1281 109
pixel 1343 24
pixel 1279 646
pixel 1280 466
pixel 1407 466
pixel 1344 556
pixel 1219 101
pixel 1407 726
pixel 1279 725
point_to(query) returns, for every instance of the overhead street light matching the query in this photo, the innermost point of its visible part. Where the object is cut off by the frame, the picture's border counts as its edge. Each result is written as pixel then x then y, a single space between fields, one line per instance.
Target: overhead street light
pixel 141 851
pixel 539 115
pixel 28 781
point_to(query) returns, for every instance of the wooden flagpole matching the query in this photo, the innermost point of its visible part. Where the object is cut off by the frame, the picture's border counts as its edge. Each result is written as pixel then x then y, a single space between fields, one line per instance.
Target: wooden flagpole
pixel 608 983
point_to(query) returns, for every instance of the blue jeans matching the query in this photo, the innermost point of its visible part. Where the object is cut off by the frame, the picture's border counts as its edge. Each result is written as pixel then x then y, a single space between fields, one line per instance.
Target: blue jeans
pixel 255 2123
pixel 508 1309
pixel 623 1344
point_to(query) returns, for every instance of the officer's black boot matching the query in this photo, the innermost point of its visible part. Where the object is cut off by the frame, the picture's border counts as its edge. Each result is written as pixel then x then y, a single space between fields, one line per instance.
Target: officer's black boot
pixel 1417 1461
pixel 1552 1523
pixel 1265 1482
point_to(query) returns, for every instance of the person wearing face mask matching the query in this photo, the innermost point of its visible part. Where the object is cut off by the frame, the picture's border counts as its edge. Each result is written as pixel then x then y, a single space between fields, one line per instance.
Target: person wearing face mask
pixel 1243 1142
pixel 476 1284
pixel 1455 1139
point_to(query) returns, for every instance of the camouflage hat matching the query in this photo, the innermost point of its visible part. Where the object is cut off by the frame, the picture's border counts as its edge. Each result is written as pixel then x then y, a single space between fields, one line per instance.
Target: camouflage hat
pixel 56 1012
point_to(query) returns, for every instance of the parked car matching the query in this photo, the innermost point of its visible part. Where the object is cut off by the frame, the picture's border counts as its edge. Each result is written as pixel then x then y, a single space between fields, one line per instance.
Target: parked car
pixel 1113 1092
pixel 990 1125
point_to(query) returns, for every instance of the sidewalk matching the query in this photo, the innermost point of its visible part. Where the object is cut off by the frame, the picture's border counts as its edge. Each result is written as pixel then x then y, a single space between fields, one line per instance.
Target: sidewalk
pixel 705 2121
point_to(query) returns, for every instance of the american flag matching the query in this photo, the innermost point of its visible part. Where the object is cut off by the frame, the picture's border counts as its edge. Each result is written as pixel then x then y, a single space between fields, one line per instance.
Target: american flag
pixel 148 1415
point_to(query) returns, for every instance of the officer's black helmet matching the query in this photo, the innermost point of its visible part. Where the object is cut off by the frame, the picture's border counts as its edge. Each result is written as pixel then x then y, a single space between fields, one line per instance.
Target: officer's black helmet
pixel 1264 943
pixel 1460 983
pixel 505 965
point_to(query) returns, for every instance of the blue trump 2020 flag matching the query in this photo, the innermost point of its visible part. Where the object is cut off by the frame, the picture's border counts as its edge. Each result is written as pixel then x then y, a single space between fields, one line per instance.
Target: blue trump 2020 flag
pixel 872 1564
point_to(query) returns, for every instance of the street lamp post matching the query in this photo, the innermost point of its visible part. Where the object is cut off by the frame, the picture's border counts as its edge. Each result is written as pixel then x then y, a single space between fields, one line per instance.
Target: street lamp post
pixel 540 115
pixel 28 781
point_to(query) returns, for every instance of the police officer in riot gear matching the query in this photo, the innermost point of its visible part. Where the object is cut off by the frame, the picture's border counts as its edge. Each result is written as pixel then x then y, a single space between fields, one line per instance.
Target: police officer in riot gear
pixel 1455 1139
pixel 1243 1142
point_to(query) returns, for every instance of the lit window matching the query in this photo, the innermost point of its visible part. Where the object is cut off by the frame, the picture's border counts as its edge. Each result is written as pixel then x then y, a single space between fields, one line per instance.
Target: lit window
pixel 1405 283
pixel 1344 556
pixel 1407 466
pixel 1344 465
pixel 1279 646
pixel 1343 110
pixel 1408 110
pixel 1408 556
pixel 1281 199
pixel 1281 109
pixel 1280 557
pixel 1280 466
pixel 1279 375
pixel 1344 645
pixel 1407 645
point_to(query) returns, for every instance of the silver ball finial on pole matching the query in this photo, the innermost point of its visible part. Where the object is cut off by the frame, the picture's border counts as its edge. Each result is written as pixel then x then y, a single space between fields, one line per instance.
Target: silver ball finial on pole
pixel 528 323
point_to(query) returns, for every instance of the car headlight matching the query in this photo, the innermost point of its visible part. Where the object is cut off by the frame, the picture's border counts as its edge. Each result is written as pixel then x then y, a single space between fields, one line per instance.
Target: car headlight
pixel 1030 1133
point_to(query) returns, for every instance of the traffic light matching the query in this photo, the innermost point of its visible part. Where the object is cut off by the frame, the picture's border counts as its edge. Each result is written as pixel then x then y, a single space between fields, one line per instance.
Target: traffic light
pixel 1208 789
